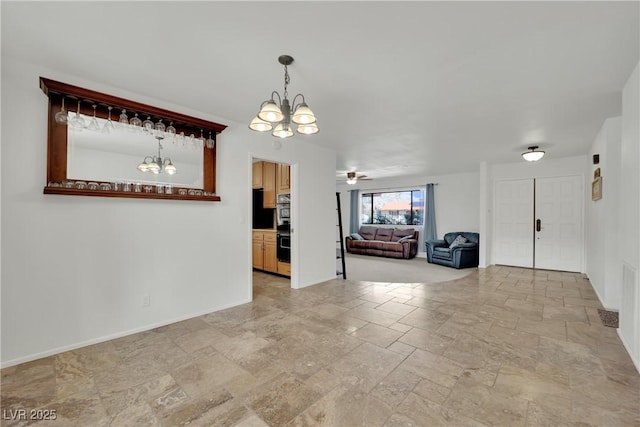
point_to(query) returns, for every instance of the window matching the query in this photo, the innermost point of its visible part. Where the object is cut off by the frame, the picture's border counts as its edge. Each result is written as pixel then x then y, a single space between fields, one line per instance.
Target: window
pixel 395 207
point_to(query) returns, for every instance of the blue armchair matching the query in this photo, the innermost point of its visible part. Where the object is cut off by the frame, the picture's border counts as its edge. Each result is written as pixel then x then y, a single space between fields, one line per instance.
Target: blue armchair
pixel 457 255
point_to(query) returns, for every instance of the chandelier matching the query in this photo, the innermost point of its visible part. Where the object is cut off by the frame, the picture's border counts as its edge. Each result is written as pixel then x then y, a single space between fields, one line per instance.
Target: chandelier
pixel 283 114
pixel 533 155
pixel 156 164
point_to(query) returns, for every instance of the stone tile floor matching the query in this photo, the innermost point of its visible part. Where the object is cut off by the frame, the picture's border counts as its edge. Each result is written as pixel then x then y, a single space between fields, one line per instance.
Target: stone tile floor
pixel 502 346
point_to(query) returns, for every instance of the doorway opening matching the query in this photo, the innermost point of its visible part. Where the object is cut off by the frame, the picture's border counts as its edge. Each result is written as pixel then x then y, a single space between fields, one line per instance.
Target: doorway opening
pixel 271 222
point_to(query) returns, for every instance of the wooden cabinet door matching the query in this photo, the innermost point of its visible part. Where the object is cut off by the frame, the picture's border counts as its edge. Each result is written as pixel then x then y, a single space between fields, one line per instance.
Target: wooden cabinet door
pixel 283 178
pixel 258 250
pixel 270 256
pixel 256 180
pixel 269 184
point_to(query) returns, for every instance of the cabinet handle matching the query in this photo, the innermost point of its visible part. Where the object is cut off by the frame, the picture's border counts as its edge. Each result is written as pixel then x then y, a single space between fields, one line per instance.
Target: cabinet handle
pixel 538 225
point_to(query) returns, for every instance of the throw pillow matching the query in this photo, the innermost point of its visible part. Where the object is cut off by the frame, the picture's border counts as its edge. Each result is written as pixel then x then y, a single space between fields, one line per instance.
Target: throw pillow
pixel 458 241
pixel 356 236
pixel 405 238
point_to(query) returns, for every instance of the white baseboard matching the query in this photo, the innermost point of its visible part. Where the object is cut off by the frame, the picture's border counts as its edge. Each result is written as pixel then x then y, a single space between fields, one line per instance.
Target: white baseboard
pixel 57 350
pixel 634 359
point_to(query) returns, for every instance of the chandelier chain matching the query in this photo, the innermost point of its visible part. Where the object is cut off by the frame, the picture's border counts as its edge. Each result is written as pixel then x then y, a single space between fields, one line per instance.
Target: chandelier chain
pixel 286 80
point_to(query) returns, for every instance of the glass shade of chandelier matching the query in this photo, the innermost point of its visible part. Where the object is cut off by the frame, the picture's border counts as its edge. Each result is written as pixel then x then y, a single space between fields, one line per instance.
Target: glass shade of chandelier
pixel 279 117
pixel 533 155
pixel 156 164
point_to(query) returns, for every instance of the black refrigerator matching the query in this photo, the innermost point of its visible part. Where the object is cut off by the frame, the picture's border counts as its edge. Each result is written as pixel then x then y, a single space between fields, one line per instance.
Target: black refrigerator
pixel 262 218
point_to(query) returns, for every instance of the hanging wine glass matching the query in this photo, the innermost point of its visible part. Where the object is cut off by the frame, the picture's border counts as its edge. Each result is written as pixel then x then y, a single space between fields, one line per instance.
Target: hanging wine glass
pixel 192 141
pixel 181 140
pixel 61 116
pixel 160 128
pixel 108 126
pixel 77 122
pixel 136 123
pixel 200 141
pixel 124 120
pixel 211 142
pixel 93 124
pixel 147 125
pixel 171 132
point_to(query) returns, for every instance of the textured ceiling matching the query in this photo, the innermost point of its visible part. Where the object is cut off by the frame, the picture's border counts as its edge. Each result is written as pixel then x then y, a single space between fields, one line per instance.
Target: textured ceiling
pixel 399 88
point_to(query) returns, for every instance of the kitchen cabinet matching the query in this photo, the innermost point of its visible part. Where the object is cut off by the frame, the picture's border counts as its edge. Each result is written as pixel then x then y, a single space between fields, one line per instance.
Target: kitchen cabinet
pixel 283 178
pixel 269 184
pixel 264 177
pixel 284 268
pixel 256 180
pixel 264 250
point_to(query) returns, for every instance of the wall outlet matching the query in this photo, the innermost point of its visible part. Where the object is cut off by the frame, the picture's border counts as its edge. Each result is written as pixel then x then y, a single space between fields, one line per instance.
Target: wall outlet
pixel 146 300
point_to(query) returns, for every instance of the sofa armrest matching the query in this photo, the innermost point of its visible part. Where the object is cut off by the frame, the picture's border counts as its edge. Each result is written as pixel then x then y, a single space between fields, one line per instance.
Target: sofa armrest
pixel 409 248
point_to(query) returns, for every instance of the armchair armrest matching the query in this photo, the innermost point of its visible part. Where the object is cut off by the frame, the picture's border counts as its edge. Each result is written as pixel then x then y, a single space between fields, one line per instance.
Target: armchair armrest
pixel 465 255
pixel 436 243
pixel 465 246
pixel 431 244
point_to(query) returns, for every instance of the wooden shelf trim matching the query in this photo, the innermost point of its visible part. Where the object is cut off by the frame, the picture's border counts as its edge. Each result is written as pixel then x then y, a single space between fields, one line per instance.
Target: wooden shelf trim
pixel 126 194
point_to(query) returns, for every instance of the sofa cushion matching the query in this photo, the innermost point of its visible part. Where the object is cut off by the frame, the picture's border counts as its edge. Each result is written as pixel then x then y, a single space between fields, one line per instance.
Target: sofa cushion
pixel 399 233
pixel 458 241
pixel 384 234
pixel 440 252
pixel 391 247
pixel 356 236
pixel 369 233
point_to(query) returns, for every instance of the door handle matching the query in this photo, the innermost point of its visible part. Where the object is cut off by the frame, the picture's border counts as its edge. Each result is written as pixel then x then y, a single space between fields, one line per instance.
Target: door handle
pixel 538 225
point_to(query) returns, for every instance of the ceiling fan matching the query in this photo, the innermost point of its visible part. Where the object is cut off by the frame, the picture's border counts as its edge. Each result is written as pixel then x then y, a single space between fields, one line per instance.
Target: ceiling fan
pixel 353 177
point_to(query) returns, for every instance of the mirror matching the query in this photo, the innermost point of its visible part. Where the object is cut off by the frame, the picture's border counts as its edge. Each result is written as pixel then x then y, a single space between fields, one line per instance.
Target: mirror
pixel 115 156
pixel 102 139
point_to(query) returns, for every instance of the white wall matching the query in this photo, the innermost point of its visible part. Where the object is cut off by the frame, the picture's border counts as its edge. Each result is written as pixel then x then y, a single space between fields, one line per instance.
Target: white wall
pixel 629 218
pixel 602 232
pixel 547 167
pixel 75 269
pixel 456 199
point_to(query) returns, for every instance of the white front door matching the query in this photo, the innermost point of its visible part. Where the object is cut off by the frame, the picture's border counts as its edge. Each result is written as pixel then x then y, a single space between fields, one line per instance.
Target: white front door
pixel 513 235
pixel 558 235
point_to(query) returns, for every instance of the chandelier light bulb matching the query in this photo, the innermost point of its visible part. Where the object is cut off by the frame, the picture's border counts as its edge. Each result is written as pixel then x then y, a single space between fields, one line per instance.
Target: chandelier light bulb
pixel 270 112
pixel 309 129
pixel 260 125
pixel 143 167
pixel 281 132
pixel 303 115
pixel 154 167
pixel 170 169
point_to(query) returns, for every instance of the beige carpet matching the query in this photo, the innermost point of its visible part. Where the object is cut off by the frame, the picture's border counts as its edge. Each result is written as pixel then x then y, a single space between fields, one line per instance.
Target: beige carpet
pixel 416 270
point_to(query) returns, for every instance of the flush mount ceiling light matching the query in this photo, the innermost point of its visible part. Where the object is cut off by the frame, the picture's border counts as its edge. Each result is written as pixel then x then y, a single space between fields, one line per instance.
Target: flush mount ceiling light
pixel 533 155
pixel 278 117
